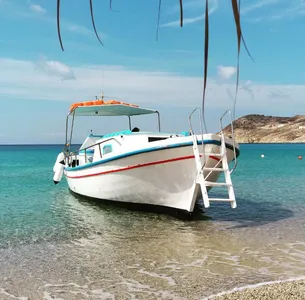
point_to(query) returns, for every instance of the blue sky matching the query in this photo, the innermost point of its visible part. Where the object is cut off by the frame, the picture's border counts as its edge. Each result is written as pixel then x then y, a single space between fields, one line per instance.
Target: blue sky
pixel 38 81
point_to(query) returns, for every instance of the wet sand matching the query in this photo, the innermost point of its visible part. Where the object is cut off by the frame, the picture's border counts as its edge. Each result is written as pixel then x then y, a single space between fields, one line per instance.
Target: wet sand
pixel 290 289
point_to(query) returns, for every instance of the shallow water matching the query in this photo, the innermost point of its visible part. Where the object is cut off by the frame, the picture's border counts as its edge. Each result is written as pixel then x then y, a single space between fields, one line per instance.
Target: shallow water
pixel 56 246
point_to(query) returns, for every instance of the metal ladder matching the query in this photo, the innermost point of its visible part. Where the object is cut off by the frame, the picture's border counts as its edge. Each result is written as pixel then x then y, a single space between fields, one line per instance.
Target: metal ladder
pixel 221 166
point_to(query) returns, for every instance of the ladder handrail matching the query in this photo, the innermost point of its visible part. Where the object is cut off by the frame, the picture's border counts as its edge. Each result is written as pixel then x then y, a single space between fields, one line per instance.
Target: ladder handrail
pixel 202 180
pixel 233 137
pixel 201 128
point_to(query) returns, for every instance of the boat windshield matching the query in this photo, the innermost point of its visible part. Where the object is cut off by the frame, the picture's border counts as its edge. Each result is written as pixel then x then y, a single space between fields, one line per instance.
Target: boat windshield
pixel 104 108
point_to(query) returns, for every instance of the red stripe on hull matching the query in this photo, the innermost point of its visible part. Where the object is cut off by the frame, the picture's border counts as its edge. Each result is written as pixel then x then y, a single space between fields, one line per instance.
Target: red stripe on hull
pixel 138 166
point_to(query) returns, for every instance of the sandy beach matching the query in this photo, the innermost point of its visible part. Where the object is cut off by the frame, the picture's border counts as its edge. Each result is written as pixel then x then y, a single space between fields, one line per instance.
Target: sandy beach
pixel 290 289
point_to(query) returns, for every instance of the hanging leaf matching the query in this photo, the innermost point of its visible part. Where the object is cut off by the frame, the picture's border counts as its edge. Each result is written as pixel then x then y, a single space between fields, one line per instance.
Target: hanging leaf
pixel 181 13
pixel 238 32
pixel 206 52
pixel 240 38
pixel 158 22
pixel 58 24
pixel 93 23
pixel 236 13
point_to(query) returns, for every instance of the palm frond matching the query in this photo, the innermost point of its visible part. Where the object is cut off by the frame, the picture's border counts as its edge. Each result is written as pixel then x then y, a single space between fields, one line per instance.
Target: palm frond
pixel 158 22
pixel 235 8
pixel 181 13
pixel 93 23
pixel 240 38
pixel 58 24
pixel 206 51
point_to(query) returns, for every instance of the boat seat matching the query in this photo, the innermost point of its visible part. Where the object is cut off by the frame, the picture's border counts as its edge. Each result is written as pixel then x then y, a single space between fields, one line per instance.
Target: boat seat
pixel 185 133
pixel 117 133
pixel 135 129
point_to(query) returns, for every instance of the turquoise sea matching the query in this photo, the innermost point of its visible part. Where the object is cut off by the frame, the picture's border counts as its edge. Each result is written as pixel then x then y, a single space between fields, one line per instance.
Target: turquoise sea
pixel 56 246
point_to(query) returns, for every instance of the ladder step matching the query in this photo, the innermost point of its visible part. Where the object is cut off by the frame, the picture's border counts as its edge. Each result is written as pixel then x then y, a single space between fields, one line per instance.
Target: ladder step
pixel 221 166
pixel 215 169
pixel 222 200
pixel 211 183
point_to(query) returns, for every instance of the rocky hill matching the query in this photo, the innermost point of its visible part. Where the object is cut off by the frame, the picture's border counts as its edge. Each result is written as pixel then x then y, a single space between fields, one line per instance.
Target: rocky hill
pixel 268 129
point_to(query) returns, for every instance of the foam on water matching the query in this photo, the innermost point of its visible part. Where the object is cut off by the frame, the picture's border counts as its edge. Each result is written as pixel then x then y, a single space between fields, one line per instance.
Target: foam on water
pixel 253 286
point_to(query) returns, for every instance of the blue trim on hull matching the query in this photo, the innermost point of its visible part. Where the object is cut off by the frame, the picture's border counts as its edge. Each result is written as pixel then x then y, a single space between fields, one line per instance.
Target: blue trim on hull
pixel 102 161
pixel 128 132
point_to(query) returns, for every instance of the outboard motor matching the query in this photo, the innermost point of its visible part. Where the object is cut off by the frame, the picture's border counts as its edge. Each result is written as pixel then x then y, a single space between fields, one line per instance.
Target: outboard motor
pixel 58 168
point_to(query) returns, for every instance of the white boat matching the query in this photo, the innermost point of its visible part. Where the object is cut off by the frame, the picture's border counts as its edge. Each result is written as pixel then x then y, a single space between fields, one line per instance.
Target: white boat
pixel 157 168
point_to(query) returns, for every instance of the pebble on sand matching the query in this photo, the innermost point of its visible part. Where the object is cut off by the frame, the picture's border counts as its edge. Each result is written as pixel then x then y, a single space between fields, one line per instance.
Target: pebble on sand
pixel 293 290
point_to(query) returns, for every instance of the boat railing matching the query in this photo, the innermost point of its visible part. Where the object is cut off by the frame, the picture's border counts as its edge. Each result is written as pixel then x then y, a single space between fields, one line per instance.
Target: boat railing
pixel 74 155
pixel 197 109
pixel 228 112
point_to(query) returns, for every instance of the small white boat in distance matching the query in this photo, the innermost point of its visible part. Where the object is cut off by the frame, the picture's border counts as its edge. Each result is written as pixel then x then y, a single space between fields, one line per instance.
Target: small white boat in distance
pixel 157 168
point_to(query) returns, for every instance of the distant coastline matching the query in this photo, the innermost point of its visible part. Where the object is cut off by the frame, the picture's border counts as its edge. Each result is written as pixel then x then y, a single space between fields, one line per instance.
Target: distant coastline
pixel 273 143
pixel 261 129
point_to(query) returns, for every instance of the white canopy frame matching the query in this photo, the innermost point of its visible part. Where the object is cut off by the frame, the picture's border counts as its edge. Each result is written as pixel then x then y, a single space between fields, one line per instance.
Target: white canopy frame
pixel 105 110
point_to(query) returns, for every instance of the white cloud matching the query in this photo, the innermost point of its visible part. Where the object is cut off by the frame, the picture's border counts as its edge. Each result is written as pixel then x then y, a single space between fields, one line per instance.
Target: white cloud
pixel 37 8
pixel 72 27
pixel 273 10
pixel 226 72
pixel 193 5
pixel 20 80
pixel 174 95
pixel 279 94
pixel 185 21
pixel 37 12
pixel 246 86
pixel 55 68
pixel 257 5
pixel 188 8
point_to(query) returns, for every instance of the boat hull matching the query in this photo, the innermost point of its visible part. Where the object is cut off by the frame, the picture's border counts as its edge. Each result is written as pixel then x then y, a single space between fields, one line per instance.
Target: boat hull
pixel 163 177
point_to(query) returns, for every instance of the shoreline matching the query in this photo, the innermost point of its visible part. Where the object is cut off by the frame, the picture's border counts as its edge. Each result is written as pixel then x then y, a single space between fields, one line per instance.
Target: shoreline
pixel 292 288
